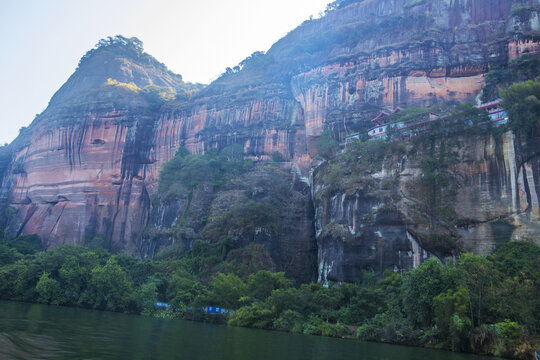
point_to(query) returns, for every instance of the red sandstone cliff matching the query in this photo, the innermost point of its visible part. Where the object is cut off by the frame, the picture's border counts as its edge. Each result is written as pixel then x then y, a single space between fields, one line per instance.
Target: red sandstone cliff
pixel 88 165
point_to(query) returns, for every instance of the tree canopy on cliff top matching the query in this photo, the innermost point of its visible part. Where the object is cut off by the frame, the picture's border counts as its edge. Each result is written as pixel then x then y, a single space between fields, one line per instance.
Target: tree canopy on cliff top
pixel 128 47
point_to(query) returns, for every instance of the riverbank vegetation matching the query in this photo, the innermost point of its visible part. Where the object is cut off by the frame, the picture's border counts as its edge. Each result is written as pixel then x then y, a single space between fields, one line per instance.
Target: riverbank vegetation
pixel 488 305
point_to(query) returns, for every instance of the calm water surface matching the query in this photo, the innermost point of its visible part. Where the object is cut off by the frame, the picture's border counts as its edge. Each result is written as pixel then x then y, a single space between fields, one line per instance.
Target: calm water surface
pixel 30 331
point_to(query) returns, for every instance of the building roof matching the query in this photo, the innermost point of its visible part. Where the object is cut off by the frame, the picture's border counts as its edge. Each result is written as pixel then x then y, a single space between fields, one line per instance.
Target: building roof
pixel 489 104
pixel 384 114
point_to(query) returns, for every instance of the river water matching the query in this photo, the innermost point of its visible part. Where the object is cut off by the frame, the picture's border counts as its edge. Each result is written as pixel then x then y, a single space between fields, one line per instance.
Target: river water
pixel 31 331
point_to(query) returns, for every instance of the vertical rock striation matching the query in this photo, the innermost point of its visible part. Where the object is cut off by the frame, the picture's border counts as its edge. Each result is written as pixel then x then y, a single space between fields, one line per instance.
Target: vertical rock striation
pixel 390 218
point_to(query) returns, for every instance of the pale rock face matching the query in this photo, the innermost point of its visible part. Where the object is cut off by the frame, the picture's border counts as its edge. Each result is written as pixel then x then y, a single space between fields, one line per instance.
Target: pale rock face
pixel 377 226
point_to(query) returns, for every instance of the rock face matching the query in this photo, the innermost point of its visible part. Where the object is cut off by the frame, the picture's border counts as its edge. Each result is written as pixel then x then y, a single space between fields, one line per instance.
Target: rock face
pixel 268 205
pixel 80 170
pixel 84 179
pixel 88 166
pixel 336 72
pixel 390 217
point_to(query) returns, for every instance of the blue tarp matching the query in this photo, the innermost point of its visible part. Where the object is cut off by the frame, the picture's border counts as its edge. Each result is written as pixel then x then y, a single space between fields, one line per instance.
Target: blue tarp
pixel 161 305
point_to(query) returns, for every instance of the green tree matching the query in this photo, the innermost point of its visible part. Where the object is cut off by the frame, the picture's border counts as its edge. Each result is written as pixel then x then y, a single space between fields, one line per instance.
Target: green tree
pixel 477 275
pixel 517 292
pixel 233 152
pixel 227 290
pixel 26 244
pixel 108 287
pixel 8 255
pixel 249 259
pixel 522 103
pixel 146 294
pixel 263 282
pixel 49 290
pixel 419 288
pixel 369 302
pixel 518 258
pixel 451 309
pixel 256 315
pixel 326 145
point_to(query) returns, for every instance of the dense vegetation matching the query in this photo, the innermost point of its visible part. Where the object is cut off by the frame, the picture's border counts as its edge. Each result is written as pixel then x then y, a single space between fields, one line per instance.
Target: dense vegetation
pixel 156 95
pixel 522 103
pixel 483 304
pixel 526 67
pixel 186 171
pixel 224 196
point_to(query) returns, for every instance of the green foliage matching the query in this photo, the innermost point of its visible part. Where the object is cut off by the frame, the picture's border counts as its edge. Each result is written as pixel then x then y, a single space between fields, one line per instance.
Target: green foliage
pixel 518 258
pixel 477 275
pixel 368 302
pixel 25 244
pixel 49 290
pixel 523 12
pixel 108 287
pixel 509 330
pixel 263 282
pixel 8 255
pixel 5 160
pixel 74 273
pixel 483 339
pixel 132 87
pixel 228 290
pixel 526 67
pixel 147 294
pixel 451 309
pixel 186 171
pixel 131 48
pixel 255 315
pixel 420 286
pixel 291 321
pixel 410 115
pixel 522 103
pixel 158 94
pixel 326 145
pixel 390 326
pixel 513 341
pixel 345 171
pixel 277 157
pixel 258 61
pixel 435 305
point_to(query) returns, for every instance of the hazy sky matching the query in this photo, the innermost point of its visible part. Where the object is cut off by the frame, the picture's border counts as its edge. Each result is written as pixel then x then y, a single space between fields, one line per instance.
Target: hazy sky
pixel 41 41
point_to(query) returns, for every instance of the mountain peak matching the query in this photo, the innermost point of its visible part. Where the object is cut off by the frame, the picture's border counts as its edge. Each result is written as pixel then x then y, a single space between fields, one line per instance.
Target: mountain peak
pixel 119 58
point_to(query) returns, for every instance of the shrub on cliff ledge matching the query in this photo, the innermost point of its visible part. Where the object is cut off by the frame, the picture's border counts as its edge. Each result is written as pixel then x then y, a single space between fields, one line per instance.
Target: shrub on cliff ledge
pixel 522 103
pixel 339 4
pixel 186 171
pixel 326 145
pixel 524 68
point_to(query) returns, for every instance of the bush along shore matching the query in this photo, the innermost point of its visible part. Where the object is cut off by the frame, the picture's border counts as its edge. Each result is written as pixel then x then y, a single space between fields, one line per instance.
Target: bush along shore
pixel 486 305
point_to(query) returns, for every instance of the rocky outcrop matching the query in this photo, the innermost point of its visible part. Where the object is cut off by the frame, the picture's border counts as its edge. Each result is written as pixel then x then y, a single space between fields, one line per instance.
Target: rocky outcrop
pixel 392 217
pixel 85 178
pixel 80 170
pixel 268 205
